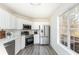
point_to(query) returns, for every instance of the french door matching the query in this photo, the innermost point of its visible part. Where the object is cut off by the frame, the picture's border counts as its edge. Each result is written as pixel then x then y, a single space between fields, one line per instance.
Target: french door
pixel 69 29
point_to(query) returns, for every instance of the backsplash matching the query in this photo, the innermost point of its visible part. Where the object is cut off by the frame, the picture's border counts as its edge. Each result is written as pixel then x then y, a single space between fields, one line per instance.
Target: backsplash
pixel 11 35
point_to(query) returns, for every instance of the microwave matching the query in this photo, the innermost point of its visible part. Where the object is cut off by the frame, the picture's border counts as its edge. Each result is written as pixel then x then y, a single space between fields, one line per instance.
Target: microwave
pixel 26 27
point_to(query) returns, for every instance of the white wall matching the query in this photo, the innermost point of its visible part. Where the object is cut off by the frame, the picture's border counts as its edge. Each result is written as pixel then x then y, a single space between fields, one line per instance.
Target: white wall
pixel 53 31
pixel 37 22
pixel 40 20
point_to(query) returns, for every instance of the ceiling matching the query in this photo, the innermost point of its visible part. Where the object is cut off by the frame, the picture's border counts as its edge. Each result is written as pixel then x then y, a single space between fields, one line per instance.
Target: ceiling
pixel 34 10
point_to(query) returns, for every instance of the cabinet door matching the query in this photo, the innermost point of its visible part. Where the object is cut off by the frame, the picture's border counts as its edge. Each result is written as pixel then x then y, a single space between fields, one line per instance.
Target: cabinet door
pixel 36 39
pixel 19 24
pixel 7 20
pixel 23 42
pixel 35 26
pixel 2 19
pixel 17 45
pixel 12 22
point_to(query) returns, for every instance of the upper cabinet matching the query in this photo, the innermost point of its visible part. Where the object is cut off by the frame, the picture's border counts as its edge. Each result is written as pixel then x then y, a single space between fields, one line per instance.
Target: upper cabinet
pixel 21 21
pixel 10 21
pixel 7 20
pixel 35 26
pixel 2 19
pixel 13 22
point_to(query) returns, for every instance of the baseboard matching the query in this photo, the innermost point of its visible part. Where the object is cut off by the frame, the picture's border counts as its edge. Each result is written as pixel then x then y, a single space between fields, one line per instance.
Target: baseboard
pixel 53 48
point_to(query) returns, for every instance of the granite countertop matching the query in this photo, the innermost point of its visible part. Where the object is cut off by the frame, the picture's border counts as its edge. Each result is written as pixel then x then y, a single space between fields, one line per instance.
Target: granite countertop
pixel 2 47
pixel 7 39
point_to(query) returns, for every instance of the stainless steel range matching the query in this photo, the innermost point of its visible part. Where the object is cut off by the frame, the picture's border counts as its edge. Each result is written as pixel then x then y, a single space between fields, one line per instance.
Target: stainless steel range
pixel 29 40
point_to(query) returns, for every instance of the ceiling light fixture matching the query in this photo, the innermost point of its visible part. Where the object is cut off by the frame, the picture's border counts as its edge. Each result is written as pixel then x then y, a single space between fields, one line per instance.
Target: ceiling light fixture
pixel 36 4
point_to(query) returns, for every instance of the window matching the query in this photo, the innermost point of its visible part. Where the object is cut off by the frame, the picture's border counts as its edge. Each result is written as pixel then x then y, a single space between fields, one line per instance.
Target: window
pixel 69 29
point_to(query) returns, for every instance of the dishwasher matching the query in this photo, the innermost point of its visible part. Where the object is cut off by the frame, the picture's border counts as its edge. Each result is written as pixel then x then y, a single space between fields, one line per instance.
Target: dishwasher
pixel 10 47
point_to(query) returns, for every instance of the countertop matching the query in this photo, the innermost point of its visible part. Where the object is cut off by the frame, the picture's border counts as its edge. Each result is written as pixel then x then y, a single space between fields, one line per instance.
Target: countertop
pixel 2 48
pixel 7 39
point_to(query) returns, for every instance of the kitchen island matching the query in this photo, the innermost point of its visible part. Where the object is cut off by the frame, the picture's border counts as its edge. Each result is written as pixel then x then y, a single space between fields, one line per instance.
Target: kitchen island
pixel 2 47
pixel 3 50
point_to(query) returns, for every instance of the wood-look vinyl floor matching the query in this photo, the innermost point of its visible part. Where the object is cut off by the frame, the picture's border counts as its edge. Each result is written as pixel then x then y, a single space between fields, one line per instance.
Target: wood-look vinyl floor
pixel 37 50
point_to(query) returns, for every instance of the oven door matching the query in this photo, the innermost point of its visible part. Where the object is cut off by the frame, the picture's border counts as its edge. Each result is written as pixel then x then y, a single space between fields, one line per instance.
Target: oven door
pixel 29 41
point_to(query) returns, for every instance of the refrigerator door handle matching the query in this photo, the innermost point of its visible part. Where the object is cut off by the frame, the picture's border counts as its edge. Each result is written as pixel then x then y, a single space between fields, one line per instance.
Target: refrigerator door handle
pixel 44 30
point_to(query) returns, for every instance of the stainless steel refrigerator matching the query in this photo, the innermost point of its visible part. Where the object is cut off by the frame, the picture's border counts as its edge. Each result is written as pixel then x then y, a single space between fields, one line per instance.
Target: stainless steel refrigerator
pixel 44 34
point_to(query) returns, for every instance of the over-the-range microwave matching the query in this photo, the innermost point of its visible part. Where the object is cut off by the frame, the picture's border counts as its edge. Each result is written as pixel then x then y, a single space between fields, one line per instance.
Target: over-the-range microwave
pixel 26 27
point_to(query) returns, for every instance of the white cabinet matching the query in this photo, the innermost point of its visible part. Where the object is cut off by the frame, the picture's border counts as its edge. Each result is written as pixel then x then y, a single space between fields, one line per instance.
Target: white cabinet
pixel 7 20
pixel 23 42
pixel 17 45
pixel 3 18
pixel 12 22
pixel 35 26
pixel 19 41
pixel 19 23
pixel 36 39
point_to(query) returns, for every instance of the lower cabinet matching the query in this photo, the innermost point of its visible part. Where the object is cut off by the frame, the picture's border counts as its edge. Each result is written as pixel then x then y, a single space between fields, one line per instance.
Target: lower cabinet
pixel 17 45
pixel 22 42
pixel 36 39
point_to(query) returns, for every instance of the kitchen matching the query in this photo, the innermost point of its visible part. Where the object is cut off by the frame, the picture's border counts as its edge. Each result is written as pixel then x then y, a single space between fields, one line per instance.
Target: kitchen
pixel 18 32
pixel 39 29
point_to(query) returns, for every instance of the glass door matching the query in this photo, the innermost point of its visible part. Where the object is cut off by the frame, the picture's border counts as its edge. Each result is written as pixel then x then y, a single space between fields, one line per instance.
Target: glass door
pixel 69 29
pixel 63 30
pixel 74 30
